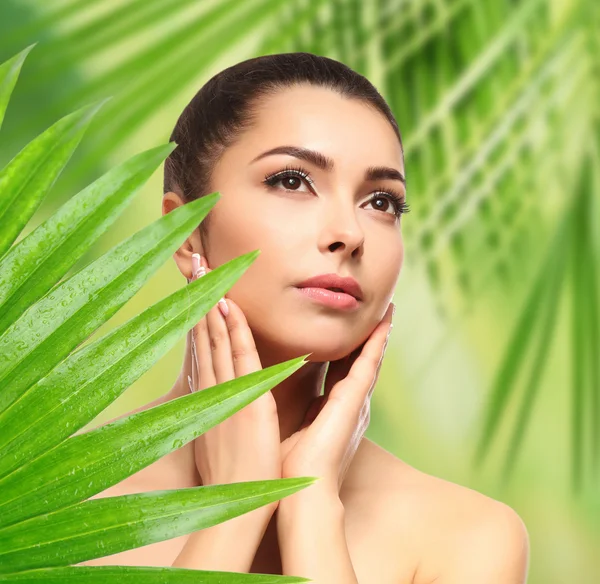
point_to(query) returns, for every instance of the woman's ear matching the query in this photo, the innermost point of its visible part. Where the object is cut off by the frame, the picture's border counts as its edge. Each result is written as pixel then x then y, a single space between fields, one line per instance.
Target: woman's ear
pixel 193 244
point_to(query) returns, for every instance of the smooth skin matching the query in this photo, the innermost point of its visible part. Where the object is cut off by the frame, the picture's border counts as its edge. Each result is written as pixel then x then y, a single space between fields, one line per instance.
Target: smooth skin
pixel 394 524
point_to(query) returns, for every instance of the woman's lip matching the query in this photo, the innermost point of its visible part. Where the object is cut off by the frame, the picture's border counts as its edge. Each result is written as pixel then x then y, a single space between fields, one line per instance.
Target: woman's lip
pixel 339 300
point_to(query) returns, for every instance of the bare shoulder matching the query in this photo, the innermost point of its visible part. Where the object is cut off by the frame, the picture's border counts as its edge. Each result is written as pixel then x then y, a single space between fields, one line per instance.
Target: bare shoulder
pixel 457 533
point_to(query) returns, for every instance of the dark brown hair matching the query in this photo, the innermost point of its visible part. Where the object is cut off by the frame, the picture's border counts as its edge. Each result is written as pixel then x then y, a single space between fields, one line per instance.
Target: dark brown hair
pixel 223 108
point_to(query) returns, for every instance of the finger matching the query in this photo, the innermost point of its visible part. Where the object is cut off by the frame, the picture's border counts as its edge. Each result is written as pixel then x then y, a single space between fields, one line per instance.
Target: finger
pixel 193 379
pixel 313 411
pixel 220 345
pixel 340 369
pixel 243 347
pixel 355 386
pixel 201 342
pixel 370 393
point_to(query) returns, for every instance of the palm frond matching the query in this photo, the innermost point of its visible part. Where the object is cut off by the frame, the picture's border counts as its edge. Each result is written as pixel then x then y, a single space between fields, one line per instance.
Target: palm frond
pixel 50 388
pixel 38 261
pixel 70 535
pixel 9 73
pixel 135 574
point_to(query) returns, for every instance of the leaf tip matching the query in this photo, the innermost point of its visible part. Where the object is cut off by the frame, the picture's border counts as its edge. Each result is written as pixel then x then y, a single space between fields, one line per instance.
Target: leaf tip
pixel 23 54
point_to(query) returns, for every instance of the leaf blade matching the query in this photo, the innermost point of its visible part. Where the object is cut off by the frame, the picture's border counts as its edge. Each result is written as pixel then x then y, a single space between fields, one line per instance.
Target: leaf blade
pixel 28 177
pixel 49 330
pixel 9 73
pixel 34 265
pixel 125 522
pixel 146 574
pixel 88 463
pixel 90 379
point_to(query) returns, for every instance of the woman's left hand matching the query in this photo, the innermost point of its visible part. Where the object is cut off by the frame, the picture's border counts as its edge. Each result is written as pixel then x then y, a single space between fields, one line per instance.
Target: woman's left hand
pixel 334 425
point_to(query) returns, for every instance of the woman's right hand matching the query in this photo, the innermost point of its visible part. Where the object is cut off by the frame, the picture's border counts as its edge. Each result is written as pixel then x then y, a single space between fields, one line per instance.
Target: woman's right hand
pixel 245 446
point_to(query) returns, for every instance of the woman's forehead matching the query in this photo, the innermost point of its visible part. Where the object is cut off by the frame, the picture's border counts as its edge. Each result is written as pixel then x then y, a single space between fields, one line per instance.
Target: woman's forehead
pixel 342 129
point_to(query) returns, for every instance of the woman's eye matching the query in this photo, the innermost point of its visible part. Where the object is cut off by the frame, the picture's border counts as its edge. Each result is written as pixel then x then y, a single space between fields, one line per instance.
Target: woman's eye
pixel 291 178
pixel 382 203
pixel 294 179
pixel 292 183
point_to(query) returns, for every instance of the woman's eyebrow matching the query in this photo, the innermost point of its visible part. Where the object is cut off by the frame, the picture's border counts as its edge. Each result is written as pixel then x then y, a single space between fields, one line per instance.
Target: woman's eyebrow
pixel 324 163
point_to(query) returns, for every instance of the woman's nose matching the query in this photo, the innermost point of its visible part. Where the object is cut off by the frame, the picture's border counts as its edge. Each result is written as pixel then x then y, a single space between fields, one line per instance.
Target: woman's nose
pixel 341 226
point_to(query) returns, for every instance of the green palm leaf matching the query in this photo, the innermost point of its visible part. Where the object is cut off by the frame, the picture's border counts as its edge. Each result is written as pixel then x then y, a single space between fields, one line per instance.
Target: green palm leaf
pixel 31 173
pixel 75 308
pixel 37 262
pixel 522 336
pixel 585 414
pixel 70 535
pixel 9 73
pixel 133 575
pixel 88 463
pixel 50 388
pixel 85 383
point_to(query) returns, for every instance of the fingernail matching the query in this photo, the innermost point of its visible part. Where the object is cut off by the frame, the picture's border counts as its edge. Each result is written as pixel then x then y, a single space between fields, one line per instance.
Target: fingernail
pixel 223 307
pixel 196 265
pixel 190 384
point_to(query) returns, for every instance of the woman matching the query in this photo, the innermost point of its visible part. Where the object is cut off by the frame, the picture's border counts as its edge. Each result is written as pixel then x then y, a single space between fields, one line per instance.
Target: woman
pixel 308 159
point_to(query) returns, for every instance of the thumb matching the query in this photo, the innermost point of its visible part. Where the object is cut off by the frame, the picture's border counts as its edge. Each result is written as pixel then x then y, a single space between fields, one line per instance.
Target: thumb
pixel 339 369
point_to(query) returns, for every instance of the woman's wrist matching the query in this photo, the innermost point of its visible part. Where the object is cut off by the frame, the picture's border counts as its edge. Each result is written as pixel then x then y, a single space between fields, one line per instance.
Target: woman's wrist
pixel 311 535
pixel 230 545
pixel 318 500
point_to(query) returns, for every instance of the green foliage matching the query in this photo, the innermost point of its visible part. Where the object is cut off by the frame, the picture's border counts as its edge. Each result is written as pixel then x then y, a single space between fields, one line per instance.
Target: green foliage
pixel 50 388
pixel 498 103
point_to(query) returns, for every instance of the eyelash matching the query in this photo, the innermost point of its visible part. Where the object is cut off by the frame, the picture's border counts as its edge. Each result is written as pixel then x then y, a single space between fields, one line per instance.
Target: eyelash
pixel 298 172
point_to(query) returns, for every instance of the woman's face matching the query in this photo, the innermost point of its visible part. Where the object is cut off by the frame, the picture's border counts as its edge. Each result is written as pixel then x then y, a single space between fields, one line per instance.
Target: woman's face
pixel 304 230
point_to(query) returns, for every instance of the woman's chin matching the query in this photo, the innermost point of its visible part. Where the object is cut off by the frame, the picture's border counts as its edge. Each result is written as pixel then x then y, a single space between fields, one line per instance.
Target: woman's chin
pixel 286 345
pixel 320 354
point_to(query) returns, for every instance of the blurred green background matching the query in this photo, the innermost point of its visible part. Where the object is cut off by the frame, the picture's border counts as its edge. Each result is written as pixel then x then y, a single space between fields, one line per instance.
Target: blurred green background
pixel 492 375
